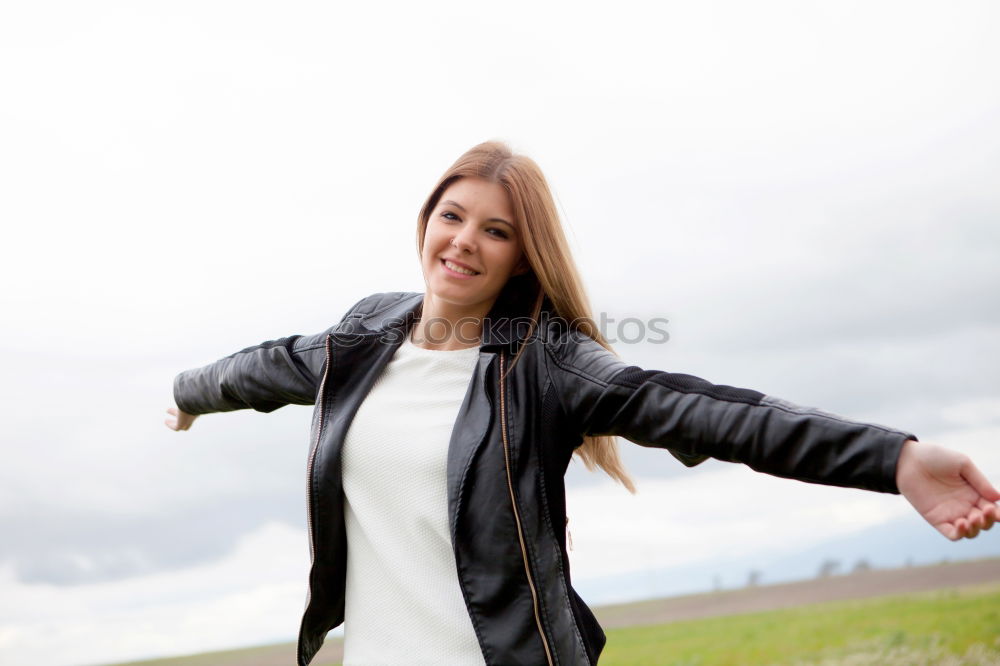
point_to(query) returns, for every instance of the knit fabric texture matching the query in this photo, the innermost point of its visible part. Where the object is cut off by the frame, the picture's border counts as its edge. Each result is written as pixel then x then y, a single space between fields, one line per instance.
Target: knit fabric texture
pixel 403 600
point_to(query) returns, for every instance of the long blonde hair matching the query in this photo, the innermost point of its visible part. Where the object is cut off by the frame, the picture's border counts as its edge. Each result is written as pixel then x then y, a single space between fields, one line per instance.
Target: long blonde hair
pixel 548 255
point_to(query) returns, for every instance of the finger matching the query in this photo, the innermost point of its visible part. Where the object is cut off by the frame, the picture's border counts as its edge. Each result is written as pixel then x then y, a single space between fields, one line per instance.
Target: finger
pixel 170 424
pixel 172 410
pixel 969 529
pixel 950 531
pixel 979 481
pixel 991 514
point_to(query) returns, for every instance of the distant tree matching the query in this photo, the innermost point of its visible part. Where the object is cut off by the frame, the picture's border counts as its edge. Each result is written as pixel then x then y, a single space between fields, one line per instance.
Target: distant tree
pixel 716 582
pixel 861 565
pixel 828 568
pixel 753 578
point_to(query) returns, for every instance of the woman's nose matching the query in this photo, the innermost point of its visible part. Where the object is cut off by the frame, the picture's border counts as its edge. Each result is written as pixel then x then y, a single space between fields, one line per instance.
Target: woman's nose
pixel 464 242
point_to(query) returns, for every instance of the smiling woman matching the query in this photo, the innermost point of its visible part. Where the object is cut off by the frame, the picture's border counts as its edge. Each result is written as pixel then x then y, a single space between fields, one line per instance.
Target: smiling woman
pixel 468 252
pixel 444 422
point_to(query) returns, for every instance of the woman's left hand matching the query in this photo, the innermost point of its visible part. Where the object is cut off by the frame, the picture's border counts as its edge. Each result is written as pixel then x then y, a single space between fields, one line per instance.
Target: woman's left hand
pixel 947 489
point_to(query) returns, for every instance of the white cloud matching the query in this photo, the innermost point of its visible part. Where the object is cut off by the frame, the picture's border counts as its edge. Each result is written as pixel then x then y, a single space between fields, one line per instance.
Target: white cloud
pixel 254 596
pixel 683 520
pixel 984 410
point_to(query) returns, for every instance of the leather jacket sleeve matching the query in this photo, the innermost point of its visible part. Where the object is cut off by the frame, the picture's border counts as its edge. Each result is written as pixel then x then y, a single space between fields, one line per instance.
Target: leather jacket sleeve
pixel 263 377
pixel 695 419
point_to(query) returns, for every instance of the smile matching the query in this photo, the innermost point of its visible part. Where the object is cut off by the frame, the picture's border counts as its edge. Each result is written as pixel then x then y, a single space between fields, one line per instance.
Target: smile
pixel 458 269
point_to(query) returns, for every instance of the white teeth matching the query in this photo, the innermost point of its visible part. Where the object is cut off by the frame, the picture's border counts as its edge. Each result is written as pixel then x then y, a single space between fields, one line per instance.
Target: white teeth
pixel 458 269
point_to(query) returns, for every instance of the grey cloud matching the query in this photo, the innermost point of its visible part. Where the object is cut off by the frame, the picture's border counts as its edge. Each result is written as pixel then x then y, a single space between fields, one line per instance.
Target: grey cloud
pixel 95 488
pixel 63 547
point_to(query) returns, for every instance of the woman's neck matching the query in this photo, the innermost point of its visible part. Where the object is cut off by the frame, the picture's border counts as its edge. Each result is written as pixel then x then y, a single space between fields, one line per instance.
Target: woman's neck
pixel 446 327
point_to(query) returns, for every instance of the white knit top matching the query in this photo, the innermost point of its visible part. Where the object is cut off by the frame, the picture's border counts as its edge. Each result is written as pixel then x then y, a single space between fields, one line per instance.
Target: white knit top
pixel 403 601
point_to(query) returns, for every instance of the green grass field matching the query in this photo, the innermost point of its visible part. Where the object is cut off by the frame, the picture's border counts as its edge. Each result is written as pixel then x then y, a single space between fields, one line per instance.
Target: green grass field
pixel 958 626
pixel 949 627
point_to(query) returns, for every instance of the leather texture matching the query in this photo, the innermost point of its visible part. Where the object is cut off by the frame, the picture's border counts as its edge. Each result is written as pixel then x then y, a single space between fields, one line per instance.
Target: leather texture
pixel 562 387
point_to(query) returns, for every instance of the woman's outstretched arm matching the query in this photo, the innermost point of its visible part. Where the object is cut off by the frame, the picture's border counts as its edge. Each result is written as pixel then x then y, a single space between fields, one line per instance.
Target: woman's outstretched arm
pixel 263 377
pixel 695 420
pixel 947 489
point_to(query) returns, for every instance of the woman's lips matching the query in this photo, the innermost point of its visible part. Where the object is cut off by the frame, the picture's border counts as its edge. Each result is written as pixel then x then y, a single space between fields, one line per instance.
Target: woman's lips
pixel 458 270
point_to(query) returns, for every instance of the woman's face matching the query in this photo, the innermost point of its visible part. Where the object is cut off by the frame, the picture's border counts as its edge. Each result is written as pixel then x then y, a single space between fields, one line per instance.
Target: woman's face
pixel 471 247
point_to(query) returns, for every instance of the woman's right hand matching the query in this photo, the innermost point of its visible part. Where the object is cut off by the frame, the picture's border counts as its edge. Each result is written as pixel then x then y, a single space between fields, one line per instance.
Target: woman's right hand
pixel 181 420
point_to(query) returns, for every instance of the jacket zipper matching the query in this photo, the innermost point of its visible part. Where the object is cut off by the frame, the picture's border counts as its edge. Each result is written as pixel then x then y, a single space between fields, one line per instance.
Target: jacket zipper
pixel 312 454
pixel 517 517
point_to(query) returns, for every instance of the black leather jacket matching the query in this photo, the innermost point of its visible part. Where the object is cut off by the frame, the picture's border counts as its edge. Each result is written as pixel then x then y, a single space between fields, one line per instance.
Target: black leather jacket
pixel 509 451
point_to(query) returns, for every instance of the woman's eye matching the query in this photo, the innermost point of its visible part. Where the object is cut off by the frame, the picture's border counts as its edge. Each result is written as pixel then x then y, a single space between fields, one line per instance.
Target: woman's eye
pixel 499 233
pixel 449 215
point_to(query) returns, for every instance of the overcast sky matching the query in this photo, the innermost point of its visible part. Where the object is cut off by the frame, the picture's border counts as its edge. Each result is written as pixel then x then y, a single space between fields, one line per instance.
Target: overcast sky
pixel 806 191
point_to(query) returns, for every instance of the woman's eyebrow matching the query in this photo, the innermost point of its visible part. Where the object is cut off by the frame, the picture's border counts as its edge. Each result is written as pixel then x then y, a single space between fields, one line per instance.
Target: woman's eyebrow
pixel 449 202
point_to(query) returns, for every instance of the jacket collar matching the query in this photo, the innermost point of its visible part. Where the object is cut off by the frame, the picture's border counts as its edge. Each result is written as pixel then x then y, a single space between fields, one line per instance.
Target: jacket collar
pixel 507 323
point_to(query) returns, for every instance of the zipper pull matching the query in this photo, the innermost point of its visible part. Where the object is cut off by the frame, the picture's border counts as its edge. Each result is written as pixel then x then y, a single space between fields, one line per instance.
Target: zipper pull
pixel 569 535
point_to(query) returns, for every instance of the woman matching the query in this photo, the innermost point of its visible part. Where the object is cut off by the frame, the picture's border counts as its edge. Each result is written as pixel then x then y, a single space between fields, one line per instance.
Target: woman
pixel 444 423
